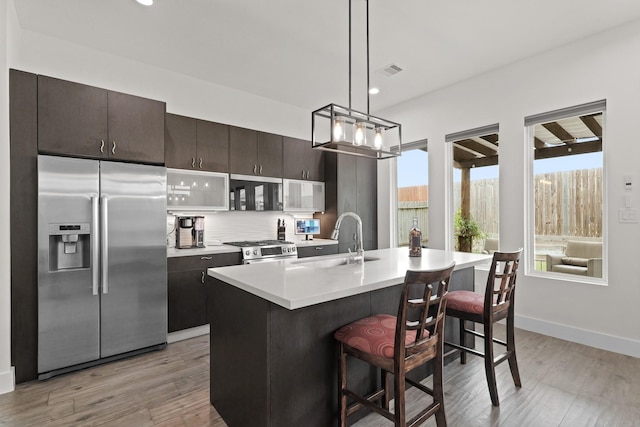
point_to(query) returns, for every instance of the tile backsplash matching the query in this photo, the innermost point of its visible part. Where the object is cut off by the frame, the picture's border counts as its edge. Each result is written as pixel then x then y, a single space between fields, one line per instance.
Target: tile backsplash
pixel 236 226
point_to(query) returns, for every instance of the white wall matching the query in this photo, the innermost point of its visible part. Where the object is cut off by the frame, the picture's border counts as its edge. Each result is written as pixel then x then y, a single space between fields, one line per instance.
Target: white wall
pixel 606 66
pixel 6 372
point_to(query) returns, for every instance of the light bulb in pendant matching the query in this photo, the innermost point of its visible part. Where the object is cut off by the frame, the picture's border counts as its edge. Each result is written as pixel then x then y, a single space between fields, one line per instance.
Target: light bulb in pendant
pixel 338 129
pixel 359 136
pixel 377 139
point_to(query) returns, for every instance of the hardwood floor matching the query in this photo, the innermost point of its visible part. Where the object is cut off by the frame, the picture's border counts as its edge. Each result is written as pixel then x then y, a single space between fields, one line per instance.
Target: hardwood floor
pixel 564 384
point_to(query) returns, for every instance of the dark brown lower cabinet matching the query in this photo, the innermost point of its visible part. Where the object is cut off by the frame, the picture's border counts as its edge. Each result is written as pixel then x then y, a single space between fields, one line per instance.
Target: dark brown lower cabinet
pixel 189 297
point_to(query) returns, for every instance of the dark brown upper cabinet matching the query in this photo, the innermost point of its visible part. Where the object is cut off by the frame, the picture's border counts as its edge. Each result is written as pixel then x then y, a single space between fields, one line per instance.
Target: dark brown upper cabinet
pixel 255 153
pixel 301 161
pixel 86 121
pixel 196 144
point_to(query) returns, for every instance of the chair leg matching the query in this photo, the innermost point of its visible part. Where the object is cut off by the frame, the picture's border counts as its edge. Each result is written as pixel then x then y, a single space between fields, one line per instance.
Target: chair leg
pixel 489 366
pixel 386 385
pixel 399 399
pixel 342 384
pixel 511 348
pixel 438 389
pixel 463 355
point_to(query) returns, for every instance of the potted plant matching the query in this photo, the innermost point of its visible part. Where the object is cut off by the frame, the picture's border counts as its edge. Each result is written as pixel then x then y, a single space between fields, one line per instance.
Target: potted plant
pixel 466 229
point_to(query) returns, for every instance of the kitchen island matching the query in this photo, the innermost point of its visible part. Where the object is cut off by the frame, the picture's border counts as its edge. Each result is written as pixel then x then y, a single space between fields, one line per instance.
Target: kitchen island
pixel 273 357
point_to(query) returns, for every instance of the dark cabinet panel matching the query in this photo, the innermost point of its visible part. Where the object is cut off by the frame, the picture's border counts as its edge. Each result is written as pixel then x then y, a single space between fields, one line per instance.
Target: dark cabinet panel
pixel 243 151
pixel 301 161
pixel 269 154
pixel 351 186
pixel 366 199
pixel 23 128
pixel 179 141
pixel 85 121
pixel 189 298
pixel 317 250
pixel 212 146
pixel 196 144
pixel 72 118
pixel 136 128
pixel 254 153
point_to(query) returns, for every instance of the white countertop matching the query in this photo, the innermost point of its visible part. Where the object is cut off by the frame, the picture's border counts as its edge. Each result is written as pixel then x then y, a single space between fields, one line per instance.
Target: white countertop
pixel 299 283
pixel 209 250
pixel 223 249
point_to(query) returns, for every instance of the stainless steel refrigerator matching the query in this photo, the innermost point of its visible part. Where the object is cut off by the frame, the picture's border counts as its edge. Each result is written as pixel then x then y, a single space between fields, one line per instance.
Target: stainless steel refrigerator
pixel 102 261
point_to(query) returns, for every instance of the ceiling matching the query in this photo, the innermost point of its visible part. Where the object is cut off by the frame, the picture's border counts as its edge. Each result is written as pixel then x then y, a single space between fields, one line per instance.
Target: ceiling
pixel 296 51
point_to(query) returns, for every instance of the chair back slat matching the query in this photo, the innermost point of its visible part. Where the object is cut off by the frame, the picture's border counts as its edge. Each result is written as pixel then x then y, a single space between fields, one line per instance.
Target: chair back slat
pixel 424 314
pixel 501 282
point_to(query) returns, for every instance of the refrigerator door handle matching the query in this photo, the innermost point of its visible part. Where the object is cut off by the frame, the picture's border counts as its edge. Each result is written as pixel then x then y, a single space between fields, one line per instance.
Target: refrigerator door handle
pixel 95 249
pixel 104 244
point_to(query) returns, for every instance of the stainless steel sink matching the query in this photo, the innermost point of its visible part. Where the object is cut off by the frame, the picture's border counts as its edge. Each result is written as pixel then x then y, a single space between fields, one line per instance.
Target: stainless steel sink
pixel 331 262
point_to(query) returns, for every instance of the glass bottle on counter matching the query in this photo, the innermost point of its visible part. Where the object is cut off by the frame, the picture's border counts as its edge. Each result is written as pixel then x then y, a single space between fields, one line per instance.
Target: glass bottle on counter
pixel 415 239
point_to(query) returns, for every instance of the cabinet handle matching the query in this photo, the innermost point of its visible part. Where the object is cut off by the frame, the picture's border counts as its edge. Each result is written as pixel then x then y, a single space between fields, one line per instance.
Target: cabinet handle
pixel 102 146
pixel 113 149
pixel 308 173
pixel 255 169
pixel 302 174
pixel 202 280
pixel 200 165
pixel 206 258
pixel 318 248
pixel 193 162
pixel 354 236
pixel 260 169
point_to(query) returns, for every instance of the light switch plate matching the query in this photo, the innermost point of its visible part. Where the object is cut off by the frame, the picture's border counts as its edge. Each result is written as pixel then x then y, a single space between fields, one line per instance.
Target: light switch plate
pixel 628 215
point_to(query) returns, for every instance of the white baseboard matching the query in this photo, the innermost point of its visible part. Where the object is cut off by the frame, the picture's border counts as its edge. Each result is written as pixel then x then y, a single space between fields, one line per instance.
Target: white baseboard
pixel 7 381
pixel 580 336
pixel 188 333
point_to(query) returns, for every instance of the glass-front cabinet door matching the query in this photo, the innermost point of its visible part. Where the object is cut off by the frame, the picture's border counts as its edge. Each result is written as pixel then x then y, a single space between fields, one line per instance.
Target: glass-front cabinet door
pixel 307 196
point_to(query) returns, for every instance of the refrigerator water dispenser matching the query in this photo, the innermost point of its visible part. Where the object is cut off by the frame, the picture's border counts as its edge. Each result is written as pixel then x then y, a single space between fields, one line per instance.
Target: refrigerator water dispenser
pixel 69 246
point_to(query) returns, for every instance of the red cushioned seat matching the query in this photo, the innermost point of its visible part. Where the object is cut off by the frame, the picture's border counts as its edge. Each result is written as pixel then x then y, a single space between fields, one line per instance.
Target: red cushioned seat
pixel 374 335
pixel 467 301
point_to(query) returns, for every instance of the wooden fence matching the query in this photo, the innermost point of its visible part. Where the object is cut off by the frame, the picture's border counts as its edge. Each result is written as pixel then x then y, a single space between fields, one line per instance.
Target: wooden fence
pixel 406 212
pixel 567 203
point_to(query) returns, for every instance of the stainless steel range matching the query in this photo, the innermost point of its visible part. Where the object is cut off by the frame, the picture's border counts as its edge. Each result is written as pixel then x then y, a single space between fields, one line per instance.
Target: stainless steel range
pixel 266 250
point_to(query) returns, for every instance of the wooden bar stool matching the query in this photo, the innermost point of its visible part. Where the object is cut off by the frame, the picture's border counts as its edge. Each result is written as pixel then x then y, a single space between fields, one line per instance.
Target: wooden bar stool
pixel 496 304
pixel 397 345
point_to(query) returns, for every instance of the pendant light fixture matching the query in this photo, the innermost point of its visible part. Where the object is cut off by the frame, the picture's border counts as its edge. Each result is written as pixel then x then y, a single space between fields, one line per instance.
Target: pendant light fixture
pixel 341 129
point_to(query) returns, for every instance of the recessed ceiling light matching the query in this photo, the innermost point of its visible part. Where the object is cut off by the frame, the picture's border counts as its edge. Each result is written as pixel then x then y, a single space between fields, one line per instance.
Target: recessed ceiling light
pixel 374 91
pixel 145 2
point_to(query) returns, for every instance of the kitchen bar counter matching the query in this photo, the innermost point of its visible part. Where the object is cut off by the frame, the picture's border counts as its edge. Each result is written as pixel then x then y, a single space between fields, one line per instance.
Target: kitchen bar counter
pixel 300 283
pixel 273 356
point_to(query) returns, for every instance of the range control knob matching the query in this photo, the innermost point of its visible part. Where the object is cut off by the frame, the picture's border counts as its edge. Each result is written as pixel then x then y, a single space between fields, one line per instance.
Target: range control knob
pixel 293 249
pixel 247 252
pixel 255 252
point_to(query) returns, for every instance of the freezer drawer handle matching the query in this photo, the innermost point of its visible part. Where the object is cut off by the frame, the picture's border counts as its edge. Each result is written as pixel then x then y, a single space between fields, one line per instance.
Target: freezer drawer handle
pixel 104 245
pixel 95 249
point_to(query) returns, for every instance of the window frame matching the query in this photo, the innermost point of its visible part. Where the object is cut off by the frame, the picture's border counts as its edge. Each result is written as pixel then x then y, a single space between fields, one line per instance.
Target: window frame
pixel 530 239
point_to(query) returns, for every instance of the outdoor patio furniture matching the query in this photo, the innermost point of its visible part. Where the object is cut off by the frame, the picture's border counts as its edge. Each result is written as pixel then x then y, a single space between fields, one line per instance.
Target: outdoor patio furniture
pixel 580 257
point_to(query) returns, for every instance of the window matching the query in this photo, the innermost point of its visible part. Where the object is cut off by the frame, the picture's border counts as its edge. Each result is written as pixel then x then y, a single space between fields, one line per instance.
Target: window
pixel 475 189
pixel 566 227
pixel 413 191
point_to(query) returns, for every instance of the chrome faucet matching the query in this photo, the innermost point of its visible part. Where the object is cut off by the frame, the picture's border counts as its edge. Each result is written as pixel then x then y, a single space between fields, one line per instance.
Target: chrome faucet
pixel 359 258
